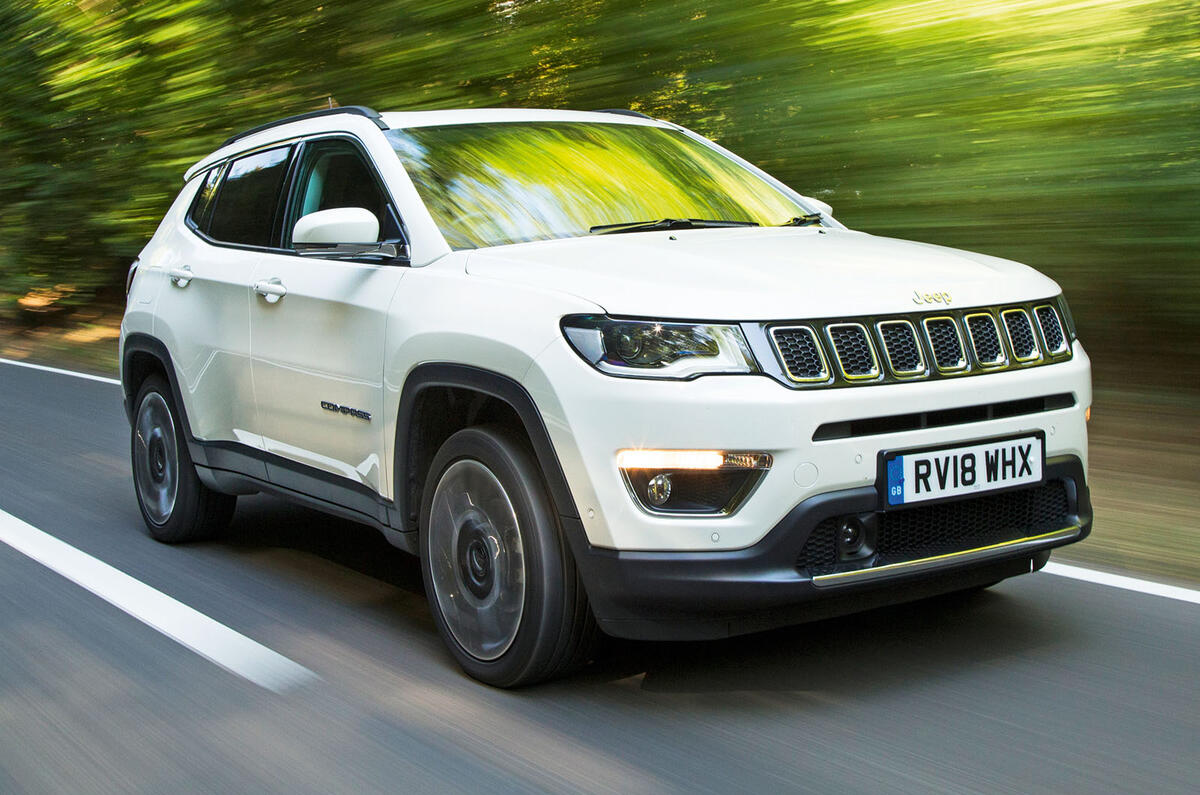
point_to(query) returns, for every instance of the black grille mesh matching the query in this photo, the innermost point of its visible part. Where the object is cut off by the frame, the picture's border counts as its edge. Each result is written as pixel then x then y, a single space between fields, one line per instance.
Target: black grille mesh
pixel 923 532
pixel 801 356
pixel 853 350
pixel 1020 334
pixel 1051 329
pixel 985 338
pixel 902 349
pixel 943 339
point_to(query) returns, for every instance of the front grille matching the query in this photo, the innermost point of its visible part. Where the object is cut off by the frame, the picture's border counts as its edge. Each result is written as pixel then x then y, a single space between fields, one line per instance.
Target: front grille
pixel 1020 334
pixel 801 353
pixel 902 348
pixel 854 351
pixel 985 339
pixel 1052 331
pixel 944 340
pixel 915 346
pixel 928 531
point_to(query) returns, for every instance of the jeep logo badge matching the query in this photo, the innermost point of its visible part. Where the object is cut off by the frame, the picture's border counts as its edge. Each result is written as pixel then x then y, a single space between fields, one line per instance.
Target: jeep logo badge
pixel 931 298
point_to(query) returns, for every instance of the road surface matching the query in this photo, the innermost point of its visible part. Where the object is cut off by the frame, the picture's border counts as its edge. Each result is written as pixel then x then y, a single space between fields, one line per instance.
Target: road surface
pixel 1041 684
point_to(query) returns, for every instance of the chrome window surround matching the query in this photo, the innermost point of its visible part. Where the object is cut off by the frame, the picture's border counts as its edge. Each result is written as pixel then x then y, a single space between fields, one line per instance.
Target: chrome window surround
pixel 962 347
pixel 761 337
pixel 826 374
pixel 1037 347
pixel 1000 362
pixel 1066 343
pixel 921 368
pixel 875 371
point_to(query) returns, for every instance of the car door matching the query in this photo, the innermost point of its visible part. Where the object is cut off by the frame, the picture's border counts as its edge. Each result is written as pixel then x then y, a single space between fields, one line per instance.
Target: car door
pixel 204 311
pixel 318 325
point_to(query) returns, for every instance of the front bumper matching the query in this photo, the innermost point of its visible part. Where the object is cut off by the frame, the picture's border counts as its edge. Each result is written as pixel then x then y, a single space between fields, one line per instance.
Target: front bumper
pixel 704 595
pixel 591 416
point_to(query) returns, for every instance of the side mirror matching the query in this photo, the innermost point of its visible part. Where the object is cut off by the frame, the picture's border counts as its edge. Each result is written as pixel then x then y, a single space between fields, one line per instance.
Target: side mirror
pixel 823 207
pixel 340 225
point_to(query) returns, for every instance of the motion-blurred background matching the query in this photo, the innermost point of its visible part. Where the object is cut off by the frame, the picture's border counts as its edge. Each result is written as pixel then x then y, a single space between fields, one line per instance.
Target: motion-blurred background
pixel 1060 133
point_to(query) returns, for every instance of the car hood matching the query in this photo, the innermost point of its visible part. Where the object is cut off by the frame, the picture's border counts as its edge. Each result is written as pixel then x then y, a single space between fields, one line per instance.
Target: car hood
pixel 758 273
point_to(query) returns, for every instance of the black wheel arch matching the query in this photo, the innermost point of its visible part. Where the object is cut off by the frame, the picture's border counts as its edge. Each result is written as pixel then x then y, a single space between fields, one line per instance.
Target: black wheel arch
pixel 142 356
pixel 406 468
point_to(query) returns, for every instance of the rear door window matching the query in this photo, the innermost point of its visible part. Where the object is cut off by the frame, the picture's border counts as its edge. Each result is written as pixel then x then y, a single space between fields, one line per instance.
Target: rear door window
pixel 248 200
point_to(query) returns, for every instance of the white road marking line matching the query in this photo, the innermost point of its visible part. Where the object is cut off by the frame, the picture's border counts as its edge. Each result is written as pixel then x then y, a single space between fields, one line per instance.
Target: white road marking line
pixel 1059 569
pixel 1121 581
pixel 210 639
pixel 44 368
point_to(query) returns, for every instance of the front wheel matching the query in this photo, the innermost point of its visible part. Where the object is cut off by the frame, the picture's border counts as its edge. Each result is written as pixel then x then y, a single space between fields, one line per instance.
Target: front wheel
pixel 175 505
pixel 501 582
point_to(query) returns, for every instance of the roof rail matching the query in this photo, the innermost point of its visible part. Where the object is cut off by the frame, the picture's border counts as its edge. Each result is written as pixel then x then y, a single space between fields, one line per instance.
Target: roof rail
pixel 354 110
pixel 624 112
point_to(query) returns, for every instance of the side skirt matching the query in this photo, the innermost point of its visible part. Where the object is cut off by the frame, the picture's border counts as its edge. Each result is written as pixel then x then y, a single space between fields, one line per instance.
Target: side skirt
pixel 232 468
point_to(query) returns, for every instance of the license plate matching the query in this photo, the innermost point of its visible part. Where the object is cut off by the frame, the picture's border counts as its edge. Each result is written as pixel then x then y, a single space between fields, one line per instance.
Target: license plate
pixel 913 476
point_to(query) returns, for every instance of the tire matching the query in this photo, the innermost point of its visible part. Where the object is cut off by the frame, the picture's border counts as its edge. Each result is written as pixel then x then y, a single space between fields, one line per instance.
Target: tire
pixel 175 505
pixel 502 585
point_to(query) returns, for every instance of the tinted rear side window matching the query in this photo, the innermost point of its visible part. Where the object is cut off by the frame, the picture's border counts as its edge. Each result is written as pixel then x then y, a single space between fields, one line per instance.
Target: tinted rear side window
pixel 201 209
pixel 246 204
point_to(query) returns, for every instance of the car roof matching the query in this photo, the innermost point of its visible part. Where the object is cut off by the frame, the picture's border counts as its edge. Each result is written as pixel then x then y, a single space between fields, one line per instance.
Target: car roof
pixel 441 118
pixel 332 121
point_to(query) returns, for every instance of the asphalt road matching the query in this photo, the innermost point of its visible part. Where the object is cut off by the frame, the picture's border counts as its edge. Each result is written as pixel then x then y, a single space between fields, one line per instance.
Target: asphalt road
pixel 1041 684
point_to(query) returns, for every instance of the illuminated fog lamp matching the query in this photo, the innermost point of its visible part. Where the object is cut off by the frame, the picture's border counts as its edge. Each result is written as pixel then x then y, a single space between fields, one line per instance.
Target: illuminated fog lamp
pixel 691 482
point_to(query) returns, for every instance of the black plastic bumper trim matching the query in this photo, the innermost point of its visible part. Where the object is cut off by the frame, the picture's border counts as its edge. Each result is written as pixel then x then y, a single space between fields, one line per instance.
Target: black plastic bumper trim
pixel 698 595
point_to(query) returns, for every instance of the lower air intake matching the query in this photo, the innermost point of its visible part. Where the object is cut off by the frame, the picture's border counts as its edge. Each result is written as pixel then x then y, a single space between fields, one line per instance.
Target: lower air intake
pixel 925 532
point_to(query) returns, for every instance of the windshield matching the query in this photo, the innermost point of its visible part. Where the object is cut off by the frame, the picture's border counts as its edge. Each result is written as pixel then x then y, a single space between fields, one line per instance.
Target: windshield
pixel 498 183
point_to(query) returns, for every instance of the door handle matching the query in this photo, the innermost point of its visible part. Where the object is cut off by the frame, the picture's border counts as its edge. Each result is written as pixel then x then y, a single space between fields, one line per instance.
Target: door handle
pixel 181 277
pixel 270 289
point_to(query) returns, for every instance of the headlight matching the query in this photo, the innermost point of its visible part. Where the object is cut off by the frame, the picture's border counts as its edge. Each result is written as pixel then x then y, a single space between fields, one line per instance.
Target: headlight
pixel 651 349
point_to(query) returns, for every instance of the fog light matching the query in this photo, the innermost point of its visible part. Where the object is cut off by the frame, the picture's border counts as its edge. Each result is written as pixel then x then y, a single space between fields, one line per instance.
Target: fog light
pixel 850 536
pixel 857 537
pixel 698 482
pixel 658 490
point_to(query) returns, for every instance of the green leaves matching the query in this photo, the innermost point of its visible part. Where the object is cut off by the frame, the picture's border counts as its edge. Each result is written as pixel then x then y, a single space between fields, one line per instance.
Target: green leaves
pixel 1061 134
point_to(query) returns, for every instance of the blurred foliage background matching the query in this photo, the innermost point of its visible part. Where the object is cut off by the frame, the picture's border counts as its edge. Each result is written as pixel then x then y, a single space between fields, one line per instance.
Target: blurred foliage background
pixel 1061 134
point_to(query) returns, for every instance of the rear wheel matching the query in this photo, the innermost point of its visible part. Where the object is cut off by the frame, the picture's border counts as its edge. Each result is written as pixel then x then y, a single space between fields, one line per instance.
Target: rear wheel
pixel 175 505
pixel 501 582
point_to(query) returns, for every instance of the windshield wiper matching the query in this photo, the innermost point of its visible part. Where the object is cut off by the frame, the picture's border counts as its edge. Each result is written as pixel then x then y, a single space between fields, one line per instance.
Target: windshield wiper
pixel 812 219
pixel 664 223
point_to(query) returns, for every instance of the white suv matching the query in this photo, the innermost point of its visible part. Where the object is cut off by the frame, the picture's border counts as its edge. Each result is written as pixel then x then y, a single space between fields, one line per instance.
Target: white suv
pixel 598 373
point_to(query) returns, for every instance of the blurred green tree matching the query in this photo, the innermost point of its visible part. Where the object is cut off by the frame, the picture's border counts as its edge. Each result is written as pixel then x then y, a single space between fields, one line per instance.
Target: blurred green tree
pixel 1065 135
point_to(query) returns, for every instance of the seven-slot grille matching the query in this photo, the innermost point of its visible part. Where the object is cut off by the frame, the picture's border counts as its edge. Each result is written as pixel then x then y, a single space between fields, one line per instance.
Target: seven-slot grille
pixel 948 353
pixel 902 347
pixel 801 354
pixel 951 343
pixel 855 354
